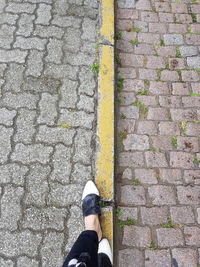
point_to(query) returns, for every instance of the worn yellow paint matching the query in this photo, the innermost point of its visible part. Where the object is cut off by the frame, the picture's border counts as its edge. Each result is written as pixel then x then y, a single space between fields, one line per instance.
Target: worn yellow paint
pixel 105 125
pixel 107 224
pixel 107 18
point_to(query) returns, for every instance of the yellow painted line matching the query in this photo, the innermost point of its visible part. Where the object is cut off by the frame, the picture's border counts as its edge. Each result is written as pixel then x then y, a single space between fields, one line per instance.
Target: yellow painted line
pixel 105 123
pixel 107 20
pixel 107 224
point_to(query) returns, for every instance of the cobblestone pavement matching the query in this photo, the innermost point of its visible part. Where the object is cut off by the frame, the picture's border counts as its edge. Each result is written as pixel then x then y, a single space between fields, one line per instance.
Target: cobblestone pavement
pixel 158 175
pixel 47 125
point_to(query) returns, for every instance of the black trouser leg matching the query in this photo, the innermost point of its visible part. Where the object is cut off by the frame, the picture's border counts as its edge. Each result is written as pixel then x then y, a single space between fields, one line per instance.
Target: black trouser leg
pixel 87 242
pixel 103 260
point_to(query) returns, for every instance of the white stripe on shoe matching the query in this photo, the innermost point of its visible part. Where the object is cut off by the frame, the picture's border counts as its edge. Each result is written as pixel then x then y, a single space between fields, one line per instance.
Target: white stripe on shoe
pixel 104 247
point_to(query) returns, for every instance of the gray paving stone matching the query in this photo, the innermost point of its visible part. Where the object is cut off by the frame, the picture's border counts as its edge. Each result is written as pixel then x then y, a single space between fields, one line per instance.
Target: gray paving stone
pixel 131 159
pixel 61 71
pixel 47 32
pixel 89 29
pixel 87 82
pixel 24 100
pixel 51 250
pixel 127 212
pixel 155 159
pixel 126 3
pixel 8 18
pixel 25 125
pixel 130 257
pixel 14 244
pixel 64 195
pixel 31 153
pixel 35 63
pixel 25 25
pixel 192 235
pixel 15 55
pixel 48 111
pixel 25 261
pixel 14 78
pixel 13 173
pixel 44 218
pixel 37 185
pixel 83 149
pixel 68 92
pixel 55 52
pixel 6 263
pixel 30 43
pixel 11 208
pixel 81 173
pixel 44 84
pixel 146 176
pixel 75 226
pixel 5 143
pixel 6 36
pixel 131 112
pixel 136 142
pixel 66 21
pixel 53 135
pixel 79 59
pixel 20 8
pixel 76 118
pixel 127 174
pixel 7 116
pixel 86 103
pixel 43 14
pixel 154 215
pixel 72 40
pixel 157 258
pixel 61 164
pixel 188 195
pixel 2 69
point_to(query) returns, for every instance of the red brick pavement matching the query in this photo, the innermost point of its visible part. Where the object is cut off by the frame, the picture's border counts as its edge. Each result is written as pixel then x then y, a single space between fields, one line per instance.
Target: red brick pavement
pixel 158 133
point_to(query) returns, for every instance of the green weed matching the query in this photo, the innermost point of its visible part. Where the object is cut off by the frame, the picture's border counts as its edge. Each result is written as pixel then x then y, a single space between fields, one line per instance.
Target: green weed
pixel 119 84
pixel 182 126
pixel 178 53
pixel 118 60
pixel 123 135
pixel 146 82
pixel 174 141
pixel 123 116
pixel 194 94
pixel 142 92
pixel 135 182
pixel 118 35
pixel 196 160
pixel 134 42
pixel 118 212
pixel 95 67
pixel 153 246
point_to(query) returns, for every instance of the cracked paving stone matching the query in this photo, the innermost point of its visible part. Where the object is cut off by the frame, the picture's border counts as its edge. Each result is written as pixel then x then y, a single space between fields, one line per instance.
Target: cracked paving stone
pixel 31 153
pixel 37 185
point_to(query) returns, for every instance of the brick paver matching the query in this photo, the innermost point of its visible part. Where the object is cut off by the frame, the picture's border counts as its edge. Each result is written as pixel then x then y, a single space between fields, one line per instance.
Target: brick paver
pixel 47 126
pixel 158 128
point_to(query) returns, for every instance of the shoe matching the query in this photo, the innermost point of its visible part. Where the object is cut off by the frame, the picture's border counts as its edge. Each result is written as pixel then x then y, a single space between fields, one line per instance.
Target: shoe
pixel 90 199
pixel 104 248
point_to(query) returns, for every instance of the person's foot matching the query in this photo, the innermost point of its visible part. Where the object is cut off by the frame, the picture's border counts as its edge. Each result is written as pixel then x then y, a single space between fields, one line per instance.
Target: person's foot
pixel 91 208
pixel 104 253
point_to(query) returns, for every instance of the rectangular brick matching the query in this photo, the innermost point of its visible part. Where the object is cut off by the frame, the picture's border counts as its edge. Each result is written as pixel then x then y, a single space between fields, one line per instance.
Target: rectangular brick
pixel 122 25
pixel 15 55
pixel 131 60
pixel 147 74
pixel 168 75
pixel 154 215
pixel 162 195
pixel 126 14
pixel 131 195
pixel 149 16
pixel 154 62
pixel 162 142
pixel 131 159
pixel 158 114
pixel 183 114
pixel 162 7
pixel 169 237
pixel 180 89
pixel 182 215
pixel 191 101
pixel 171 176
pixel 196 88
pixel 159 88
pixel 179 8
pixel 147 127
pixel 166 17
pixel 169 128
pixel 146 176
pixel 181 160
pixel 192 39
pixel 155 159
pixel 133 85
pixel 157 28
pixel 192 176
pixel 149 38
pixel 177 28
pixel 144 49
pixel 183 18
pixel 187 144
pixel 137 236
pixel 170 101
pixel 192 235
pixel 166 51
pixel 193 129
pixel 195 8
pixel 188 195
